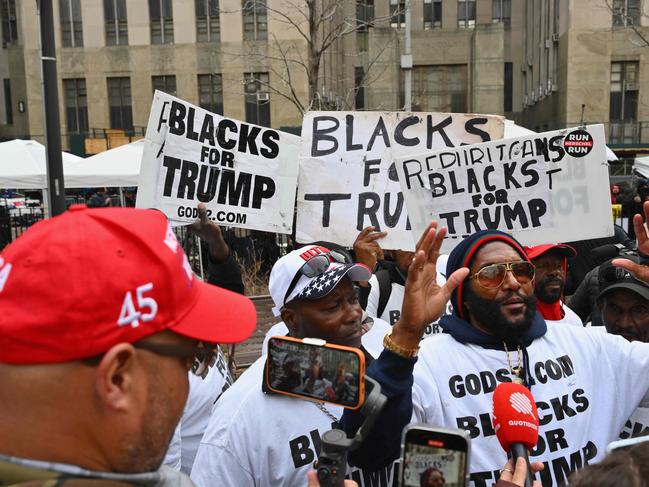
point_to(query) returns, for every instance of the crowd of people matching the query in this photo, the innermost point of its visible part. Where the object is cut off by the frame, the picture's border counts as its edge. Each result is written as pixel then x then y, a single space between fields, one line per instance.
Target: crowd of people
pixel 111 373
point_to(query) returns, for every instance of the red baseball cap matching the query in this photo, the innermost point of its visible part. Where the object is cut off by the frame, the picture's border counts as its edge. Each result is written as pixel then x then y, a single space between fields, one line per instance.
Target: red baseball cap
pixel 534 251
pixel 75 285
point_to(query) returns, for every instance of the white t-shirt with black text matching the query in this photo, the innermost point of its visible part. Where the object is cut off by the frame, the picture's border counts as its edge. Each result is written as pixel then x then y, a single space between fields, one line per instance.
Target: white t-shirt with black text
pixel 586 385
pixel 258 439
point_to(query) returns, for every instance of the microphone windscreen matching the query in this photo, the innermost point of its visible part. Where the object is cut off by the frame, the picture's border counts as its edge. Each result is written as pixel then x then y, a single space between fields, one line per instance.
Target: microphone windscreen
pixel 605 252
pixel 515 417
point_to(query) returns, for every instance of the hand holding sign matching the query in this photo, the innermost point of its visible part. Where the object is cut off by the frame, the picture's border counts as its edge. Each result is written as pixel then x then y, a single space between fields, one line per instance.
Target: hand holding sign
pixel 640 271
pixel 424 300
pixel 366 248
pixel 211 233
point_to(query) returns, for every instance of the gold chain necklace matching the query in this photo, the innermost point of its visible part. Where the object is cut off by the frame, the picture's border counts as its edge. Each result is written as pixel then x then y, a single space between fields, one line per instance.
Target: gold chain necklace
pixel 518 370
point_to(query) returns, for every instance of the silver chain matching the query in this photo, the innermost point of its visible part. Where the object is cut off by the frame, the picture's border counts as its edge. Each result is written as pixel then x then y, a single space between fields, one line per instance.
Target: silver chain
pixel 322 408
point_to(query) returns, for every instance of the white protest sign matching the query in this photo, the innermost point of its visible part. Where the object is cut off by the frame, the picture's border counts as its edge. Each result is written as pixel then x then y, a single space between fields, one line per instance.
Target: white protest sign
pixel 245 174
pixel 542 188
pixel 347 179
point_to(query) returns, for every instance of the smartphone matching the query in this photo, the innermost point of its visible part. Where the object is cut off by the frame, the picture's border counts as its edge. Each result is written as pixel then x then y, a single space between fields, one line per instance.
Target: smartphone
pixel 313 369
pixel 624 444
pixel 434 457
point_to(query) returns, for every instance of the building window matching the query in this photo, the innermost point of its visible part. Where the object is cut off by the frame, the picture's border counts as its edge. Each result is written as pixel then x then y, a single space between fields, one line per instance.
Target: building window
pixel 162 22
pixel 210 92
pixel 9 112
pixel 359 84
pixel 76 105
pixel 440 88
pixel 466 13
pixel 432 14
pixel 255 20
pixel 257 99
pixel 397 14
pixel 208 25
pixel 116 23
pixel 71 28
pixel 624 91
pixel 626 12
pixel 501 11
pixel 508 87
pixel 364 14
pixel 166 83
pixel 9 24
pixel 119 99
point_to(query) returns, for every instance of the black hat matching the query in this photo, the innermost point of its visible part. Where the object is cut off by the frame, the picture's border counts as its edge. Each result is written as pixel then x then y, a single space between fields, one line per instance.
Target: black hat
pixel 611 277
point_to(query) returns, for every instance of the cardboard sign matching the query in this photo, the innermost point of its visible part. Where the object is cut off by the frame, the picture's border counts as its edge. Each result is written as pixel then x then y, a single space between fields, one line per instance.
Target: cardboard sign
pixel 347 177
pixel 542 188
pixel 245 174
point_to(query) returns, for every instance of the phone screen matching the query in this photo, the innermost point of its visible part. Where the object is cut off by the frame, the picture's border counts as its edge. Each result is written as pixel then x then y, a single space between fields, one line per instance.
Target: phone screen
pixel 432 459
pixel 316 372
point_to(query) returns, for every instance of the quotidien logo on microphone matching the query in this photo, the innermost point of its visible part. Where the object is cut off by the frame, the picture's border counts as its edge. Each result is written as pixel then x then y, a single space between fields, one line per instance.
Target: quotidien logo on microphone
pixel 521 403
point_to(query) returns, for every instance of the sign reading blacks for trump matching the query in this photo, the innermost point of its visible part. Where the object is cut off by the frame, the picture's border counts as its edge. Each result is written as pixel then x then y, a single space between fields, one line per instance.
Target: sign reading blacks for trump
pixel 245 174
pixel 541 188
pixel 347 177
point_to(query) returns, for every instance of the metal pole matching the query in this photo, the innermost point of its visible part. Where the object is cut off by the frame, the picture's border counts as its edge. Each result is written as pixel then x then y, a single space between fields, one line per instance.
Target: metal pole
pixel 406 62
pixel 56 189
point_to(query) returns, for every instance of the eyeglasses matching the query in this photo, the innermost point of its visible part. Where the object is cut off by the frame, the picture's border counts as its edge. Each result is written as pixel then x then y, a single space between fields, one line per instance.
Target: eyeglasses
pixel 202 356
pixel 493 276
pixel 315 266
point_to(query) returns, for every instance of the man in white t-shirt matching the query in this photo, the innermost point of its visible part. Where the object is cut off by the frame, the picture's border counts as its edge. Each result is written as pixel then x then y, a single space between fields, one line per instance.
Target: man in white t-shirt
pixel 550 262
pixel 623 302
pixel 256 438
pixel 586 385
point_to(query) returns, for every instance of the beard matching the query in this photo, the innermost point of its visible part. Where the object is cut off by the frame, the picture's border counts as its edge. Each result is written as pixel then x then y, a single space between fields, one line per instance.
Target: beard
pixel 542 292
pixel 146 452
pixel 494 321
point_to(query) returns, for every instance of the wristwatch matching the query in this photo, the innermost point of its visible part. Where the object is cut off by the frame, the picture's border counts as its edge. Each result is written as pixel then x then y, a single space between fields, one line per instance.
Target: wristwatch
pixel 394 348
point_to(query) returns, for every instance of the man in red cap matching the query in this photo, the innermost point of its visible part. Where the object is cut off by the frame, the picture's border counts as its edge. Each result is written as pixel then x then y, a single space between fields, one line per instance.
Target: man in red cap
pixel 101 320
pixel 550 262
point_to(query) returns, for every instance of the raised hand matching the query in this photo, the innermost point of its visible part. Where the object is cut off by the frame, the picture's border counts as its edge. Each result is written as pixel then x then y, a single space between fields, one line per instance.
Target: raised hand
pixel 366 248
pixel 424 300
pixel 640 271
pixel 210 232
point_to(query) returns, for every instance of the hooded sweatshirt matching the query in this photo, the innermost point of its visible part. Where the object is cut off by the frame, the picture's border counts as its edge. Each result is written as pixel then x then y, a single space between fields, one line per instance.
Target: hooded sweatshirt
pixel 585 386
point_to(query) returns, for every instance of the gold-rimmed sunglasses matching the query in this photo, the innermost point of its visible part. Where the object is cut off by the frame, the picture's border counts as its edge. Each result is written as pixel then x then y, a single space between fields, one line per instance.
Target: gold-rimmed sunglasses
pixel 493 276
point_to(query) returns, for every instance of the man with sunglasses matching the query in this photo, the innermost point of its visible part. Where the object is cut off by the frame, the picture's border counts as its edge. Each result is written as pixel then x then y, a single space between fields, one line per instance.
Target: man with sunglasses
pixel 256 438
pixel 585 384
pixel 93 372
pixel 550 264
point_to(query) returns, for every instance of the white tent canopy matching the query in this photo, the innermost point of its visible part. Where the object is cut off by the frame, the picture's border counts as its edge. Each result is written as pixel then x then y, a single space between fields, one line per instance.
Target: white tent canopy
pixel 641 166
pixel 22 164
pixel 114 167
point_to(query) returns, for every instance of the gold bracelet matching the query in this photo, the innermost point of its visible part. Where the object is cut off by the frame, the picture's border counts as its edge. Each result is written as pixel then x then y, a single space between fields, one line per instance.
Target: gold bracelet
pixel 394 348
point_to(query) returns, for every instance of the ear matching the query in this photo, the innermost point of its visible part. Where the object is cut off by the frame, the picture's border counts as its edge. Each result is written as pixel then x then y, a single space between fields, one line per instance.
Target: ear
pixel 289 317
pixel 116 378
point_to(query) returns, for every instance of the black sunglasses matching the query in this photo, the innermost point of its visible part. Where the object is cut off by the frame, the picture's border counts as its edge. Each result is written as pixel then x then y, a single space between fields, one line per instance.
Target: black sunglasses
pixel 315 266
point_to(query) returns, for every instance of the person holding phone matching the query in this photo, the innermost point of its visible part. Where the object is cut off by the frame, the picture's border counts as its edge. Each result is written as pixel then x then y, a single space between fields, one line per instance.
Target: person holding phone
pixel 259 438
pixel 579 379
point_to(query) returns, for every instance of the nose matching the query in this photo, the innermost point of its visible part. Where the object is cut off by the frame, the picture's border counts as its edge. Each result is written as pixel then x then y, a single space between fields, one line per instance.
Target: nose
pixel 353 311
pixel 510 281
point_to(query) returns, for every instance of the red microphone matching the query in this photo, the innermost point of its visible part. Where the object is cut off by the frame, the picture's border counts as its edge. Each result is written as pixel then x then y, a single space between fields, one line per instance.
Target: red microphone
pixel 516 421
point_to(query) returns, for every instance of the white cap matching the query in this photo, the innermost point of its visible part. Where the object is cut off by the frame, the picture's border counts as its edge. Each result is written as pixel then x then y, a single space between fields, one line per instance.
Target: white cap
pixel 317 287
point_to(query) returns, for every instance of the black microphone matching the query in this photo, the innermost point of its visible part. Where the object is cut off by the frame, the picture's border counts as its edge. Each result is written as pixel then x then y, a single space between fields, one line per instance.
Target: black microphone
pixel 606 252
